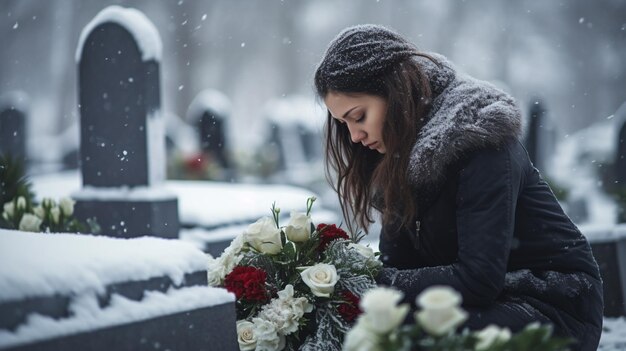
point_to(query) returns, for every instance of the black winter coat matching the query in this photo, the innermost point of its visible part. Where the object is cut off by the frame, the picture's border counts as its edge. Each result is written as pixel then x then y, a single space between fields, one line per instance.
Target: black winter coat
pixel 487 224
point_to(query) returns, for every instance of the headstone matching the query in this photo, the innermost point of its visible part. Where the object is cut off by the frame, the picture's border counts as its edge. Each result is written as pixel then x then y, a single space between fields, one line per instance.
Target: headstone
pixel 13 125
pixel 620 163
pixel 122 129
pixel 208 113
pixel 536 132
pixel 609 249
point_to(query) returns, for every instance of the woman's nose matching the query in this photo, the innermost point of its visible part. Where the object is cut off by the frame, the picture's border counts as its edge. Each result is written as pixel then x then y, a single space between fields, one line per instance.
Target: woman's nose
pixel 356 135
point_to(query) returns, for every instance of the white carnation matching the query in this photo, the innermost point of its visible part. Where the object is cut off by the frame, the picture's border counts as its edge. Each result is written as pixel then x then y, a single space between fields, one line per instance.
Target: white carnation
pixel 267 336
pixel 285 311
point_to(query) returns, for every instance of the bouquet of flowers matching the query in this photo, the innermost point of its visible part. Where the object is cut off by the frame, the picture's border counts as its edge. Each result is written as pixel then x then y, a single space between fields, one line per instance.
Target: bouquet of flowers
pixel 19 210
pixel 379 327
pixel 297 286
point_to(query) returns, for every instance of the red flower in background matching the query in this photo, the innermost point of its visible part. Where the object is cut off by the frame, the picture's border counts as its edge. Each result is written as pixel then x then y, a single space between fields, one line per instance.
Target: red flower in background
pixel 196 162
pixel 247 283
pixel 349 310
pixel 328 233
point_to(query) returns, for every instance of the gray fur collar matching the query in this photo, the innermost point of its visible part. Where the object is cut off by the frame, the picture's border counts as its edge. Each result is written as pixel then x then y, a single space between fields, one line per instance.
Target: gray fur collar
pixel 467 114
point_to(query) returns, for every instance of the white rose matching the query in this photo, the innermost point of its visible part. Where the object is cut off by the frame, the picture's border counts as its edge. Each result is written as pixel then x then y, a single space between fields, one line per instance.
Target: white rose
pixel 29 223
pixel 321 279
pixel 490 335
pixel 39 212
pixel 359 339
pixel 438 296
pixel 9 208
pixel 365 251
pixel 67 206
pixel 268 338
pixel 55 212
pixel 245 335
pixel 299 227
pixel 440 312
pixel 440 321
pixel 21 203
pixel 264 236
pixel 381 310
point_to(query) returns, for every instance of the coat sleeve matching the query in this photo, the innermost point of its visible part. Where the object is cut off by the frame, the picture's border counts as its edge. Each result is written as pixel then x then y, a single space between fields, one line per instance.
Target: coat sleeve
pixel 489 184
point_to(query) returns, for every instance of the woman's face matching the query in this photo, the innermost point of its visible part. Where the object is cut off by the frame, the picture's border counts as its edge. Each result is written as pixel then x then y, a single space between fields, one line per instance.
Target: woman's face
pixel 363 115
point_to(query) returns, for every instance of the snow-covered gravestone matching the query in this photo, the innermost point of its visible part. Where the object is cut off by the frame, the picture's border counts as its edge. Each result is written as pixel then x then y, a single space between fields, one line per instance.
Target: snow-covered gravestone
pixel 295 129
pixel 208 113
pixel 122 130
pixel 96 293
pixel 540 136
pixel 13 125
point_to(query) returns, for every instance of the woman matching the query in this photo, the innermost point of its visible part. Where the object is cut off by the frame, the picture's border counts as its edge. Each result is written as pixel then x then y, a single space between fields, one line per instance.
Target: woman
pixel 437 153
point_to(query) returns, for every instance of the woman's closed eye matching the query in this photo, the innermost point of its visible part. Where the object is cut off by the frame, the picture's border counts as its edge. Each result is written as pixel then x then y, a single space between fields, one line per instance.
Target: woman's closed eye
pixel 360 119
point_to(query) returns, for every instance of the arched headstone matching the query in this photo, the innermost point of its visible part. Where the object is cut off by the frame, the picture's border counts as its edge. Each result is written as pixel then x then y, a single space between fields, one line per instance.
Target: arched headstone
pixel 208 113
pixel 13 113
pixel 122 130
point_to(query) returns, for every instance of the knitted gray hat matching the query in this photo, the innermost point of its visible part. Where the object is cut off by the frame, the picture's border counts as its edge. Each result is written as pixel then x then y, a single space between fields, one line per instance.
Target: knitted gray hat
pixel 361 52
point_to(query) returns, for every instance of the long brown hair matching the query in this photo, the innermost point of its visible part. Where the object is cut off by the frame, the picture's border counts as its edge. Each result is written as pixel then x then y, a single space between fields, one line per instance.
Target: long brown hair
pixel 365 179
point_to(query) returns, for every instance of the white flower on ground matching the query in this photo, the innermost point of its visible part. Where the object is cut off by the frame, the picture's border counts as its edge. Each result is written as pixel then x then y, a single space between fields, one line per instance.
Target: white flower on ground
pixel 245 335
pixel 264 236
pixel 361 339
pixel 365 251
pixel 39 212
pixel 321 279
pixel 381 310
pixel 30 223
pixel 267 336
pixel 21 203
pixel 490 335
pixel 67 206
pixel 440 312
pixel 299 227
pixel 9 208
pixel 55 212
pixel 285 311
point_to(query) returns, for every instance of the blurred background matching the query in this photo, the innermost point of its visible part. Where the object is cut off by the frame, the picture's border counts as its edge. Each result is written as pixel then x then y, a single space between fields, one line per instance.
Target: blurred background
pixel 252 63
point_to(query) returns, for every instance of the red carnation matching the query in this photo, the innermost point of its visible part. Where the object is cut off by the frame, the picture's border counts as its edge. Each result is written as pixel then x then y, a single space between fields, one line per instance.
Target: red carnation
pixel 349 309
pixel 247 283
pixel 328 233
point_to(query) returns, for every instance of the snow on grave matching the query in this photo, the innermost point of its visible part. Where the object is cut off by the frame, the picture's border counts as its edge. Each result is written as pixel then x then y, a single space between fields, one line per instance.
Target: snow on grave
pixel 66 291
pixel 212 213
pixel 122 130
